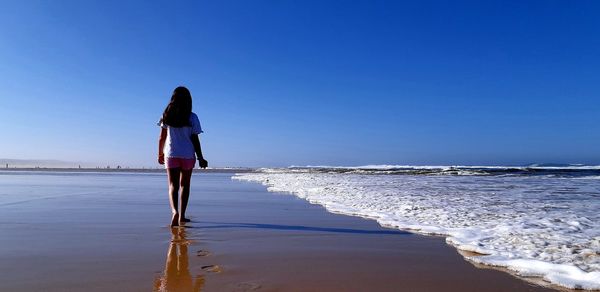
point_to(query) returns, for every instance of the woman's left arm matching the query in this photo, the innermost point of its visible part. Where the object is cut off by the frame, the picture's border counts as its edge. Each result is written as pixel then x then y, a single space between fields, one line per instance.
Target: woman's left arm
pixel 201 161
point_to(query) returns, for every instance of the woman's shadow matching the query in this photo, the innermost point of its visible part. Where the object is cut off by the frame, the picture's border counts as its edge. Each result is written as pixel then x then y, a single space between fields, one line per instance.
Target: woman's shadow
pixel 176 276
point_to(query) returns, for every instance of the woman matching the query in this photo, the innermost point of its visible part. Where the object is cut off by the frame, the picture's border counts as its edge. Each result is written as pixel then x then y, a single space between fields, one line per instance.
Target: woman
pixel 178 149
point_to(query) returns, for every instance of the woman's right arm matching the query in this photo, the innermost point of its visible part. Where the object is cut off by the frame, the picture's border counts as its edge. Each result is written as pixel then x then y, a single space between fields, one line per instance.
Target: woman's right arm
pixel 161 145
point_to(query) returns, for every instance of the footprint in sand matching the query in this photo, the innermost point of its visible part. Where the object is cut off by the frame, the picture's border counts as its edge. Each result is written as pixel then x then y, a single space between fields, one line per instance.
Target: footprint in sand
pixel 202 253
pixel 212 268
pixel 246 286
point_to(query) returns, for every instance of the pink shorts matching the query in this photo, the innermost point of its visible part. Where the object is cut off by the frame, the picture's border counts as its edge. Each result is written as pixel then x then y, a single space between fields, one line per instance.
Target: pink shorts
pixel 183 163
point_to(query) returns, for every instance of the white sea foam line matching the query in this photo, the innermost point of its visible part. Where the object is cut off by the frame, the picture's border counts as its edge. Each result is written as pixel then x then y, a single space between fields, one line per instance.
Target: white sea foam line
pixel 494 167
pixel 589 177
pixel 501 217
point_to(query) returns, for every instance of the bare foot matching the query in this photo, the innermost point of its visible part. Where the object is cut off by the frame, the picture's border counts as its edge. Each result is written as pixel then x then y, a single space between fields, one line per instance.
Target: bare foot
pixel 174 220
pixel 183 219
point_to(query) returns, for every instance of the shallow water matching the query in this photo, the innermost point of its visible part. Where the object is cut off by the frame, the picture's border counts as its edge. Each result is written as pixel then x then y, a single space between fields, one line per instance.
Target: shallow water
pixel 544 224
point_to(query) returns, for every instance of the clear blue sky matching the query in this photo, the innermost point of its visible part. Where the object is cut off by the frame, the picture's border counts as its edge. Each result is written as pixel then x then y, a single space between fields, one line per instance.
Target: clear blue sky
pixel 279 83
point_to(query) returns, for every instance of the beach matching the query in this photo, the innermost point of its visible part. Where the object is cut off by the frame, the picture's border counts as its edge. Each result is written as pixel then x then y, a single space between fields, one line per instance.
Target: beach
pixel 73 231
pixel 322 146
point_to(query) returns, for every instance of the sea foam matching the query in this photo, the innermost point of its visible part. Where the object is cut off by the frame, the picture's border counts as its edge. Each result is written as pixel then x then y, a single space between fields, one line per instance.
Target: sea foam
pixel 537 226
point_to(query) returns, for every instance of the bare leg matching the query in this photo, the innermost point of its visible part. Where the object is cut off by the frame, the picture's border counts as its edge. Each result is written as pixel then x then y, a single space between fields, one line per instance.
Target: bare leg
pixel 174 175
pixel 186 176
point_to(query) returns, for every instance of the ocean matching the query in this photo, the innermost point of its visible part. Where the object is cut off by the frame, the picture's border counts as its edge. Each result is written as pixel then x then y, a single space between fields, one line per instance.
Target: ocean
pixel 538 221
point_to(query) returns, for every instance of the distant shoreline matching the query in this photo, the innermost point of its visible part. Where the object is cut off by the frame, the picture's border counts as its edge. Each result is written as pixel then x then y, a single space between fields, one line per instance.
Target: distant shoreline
pixel 122 170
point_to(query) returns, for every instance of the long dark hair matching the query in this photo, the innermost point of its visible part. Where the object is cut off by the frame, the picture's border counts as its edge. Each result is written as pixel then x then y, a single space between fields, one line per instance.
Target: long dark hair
pixel 177 113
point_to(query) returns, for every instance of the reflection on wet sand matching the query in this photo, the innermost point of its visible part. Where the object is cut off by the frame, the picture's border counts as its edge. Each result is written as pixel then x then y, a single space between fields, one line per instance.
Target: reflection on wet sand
pixel 176 276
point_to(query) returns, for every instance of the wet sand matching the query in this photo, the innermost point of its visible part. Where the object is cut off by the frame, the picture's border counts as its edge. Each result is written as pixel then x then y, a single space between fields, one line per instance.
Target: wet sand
pixel 108 232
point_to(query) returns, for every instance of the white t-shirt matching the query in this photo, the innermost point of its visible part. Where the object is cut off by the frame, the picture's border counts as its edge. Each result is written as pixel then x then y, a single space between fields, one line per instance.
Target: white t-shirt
pixel 179 140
